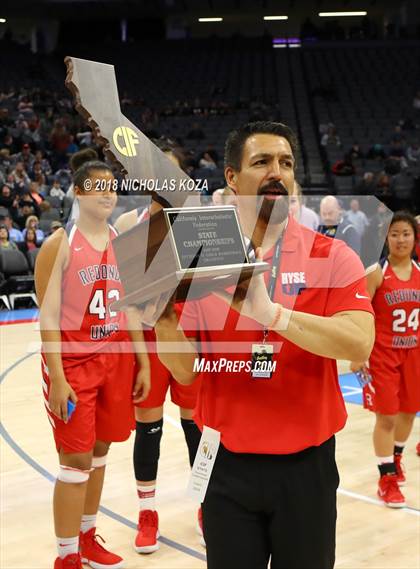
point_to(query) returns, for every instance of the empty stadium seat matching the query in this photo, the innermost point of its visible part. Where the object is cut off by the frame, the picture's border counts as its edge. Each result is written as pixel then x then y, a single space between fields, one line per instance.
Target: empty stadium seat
pixel 18 283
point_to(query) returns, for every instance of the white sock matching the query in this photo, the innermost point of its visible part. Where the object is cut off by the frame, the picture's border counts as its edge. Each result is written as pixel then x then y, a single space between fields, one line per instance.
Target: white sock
pixel 67 546
pixel 385 459
pixel 146 496
pixel 88 522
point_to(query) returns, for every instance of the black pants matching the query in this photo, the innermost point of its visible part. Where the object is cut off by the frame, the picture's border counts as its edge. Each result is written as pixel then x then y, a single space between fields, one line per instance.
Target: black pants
pixel 278 506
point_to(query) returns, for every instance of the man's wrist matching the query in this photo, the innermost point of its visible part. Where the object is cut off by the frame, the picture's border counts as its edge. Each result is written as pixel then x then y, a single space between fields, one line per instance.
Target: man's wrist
pixel 269 314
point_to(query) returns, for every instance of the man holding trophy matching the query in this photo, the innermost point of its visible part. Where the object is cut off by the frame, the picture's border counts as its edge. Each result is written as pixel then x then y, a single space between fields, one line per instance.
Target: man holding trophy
pixel 272 492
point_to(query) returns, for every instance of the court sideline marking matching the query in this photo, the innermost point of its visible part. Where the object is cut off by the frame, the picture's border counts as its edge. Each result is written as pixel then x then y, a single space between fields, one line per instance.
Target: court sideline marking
pixel 36 466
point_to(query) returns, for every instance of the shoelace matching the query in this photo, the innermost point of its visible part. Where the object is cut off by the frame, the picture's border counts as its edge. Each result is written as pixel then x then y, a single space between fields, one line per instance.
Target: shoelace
pixel 97 545
pixel 391 480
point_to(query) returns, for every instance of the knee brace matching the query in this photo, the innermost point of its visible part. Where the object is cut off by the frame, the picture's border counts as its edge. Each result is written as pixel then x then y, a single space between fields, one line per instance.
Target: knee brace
pixel 71 475
pixel 192 436
pixel 99 461
pixel 147 450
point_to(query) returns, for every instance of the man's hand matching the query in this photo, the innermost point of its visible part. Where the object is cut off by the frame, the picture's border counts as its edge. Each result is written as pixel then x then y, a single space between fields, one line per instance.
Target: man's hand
pixel 142 386
pixel 60 393
pixel 251 298
pixel 156 311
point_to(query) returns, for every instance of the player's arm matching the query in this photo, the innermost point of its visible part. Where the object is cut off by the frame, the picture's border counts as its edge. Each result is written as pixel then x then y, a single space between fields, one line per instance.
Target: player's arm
pixel 126 221
pixel 142 383
pixel 374 279
pixel 49 267
pixel 129 219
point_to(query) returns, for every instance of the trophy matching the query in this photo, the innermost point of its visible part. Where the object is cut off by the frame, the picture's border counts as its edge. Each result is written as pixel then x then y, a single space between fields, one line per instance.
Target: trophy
pixel 183 248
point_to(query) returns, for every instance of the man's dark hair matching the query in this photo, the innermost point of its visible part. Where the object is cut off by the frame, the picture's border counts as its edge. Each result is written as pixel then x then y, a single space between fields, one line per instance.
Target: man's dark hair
pixel 86 171
pixel 236 140
pixel 82 156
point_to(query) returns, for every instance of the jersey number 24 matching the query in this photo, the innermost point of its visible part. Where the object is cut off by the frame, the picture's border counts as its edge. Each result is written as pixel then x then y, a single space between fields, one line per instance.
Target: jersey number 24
pixel 402 321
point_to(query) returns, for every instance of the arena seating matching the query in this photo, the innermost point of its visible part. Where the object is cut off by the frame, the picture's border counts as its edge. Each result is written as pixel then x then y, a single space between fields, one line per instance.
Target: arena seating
pixel 212 85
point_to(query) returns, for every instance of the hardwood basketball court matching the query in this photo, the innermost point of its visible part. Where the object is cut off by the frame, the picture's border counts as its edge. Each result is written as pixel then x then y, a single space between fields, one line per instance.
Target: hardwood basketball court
pixel 369 535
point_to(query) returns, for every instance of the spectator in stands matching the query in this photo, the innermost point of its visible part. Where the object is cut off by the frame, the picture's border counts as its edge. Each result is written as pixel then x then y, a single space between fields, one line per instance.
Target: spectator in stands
pixel 41 180
pixel 45 165
pixel 25 156
pixel 207 162
pixel 19 178
pixel 355 152
pixel 376 152
pixel 213 153
pixel 5 160
pixel 56 190
pixel 72 147
pixel 36 170
pixel 413 153
pixel 54 226
pixel 343 167
pixel 367 186
pixel 330 138
pixel 303 215
pixel 32 222
pixel 35 192
pixel 59 140
pixel 14 234
pixel 334 225
pixel 23 209
pixel 7 197
pixel 377 231
pixel 5 242
pixel 397 152
pixel 357 217
pixel 9 143
pixel 196 133
pixel 30 241
pixel 397 133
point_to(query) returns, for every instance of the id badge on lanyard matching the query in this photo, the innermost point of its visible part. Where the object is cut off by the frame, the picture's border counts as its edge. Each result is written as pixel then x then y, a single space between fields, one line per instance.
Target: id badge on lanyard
pixel 262 354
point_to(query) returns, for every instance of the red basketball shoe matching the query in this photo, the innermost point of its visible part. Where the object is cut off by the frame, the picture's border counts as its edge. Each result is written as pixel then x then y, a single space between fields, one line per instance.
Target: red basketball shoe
pixel 400 469
pixel 389 491
pixel 95 555
pixel 148 532
pixel 72 561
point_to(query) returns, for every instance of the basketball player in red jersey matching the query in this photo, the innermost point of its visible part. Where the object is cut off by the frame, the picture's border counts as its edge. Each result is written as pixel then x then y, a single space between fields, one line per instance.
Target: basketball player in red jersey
pixel 394 364
pixel 87 361
pixel 149 413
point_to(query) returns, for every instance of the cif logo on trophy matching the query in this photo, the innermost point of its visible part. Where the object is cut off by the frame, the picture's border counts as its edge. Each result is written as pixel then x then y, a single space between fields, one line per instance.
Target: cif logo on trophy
pixel 125 140
pixel 207 450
